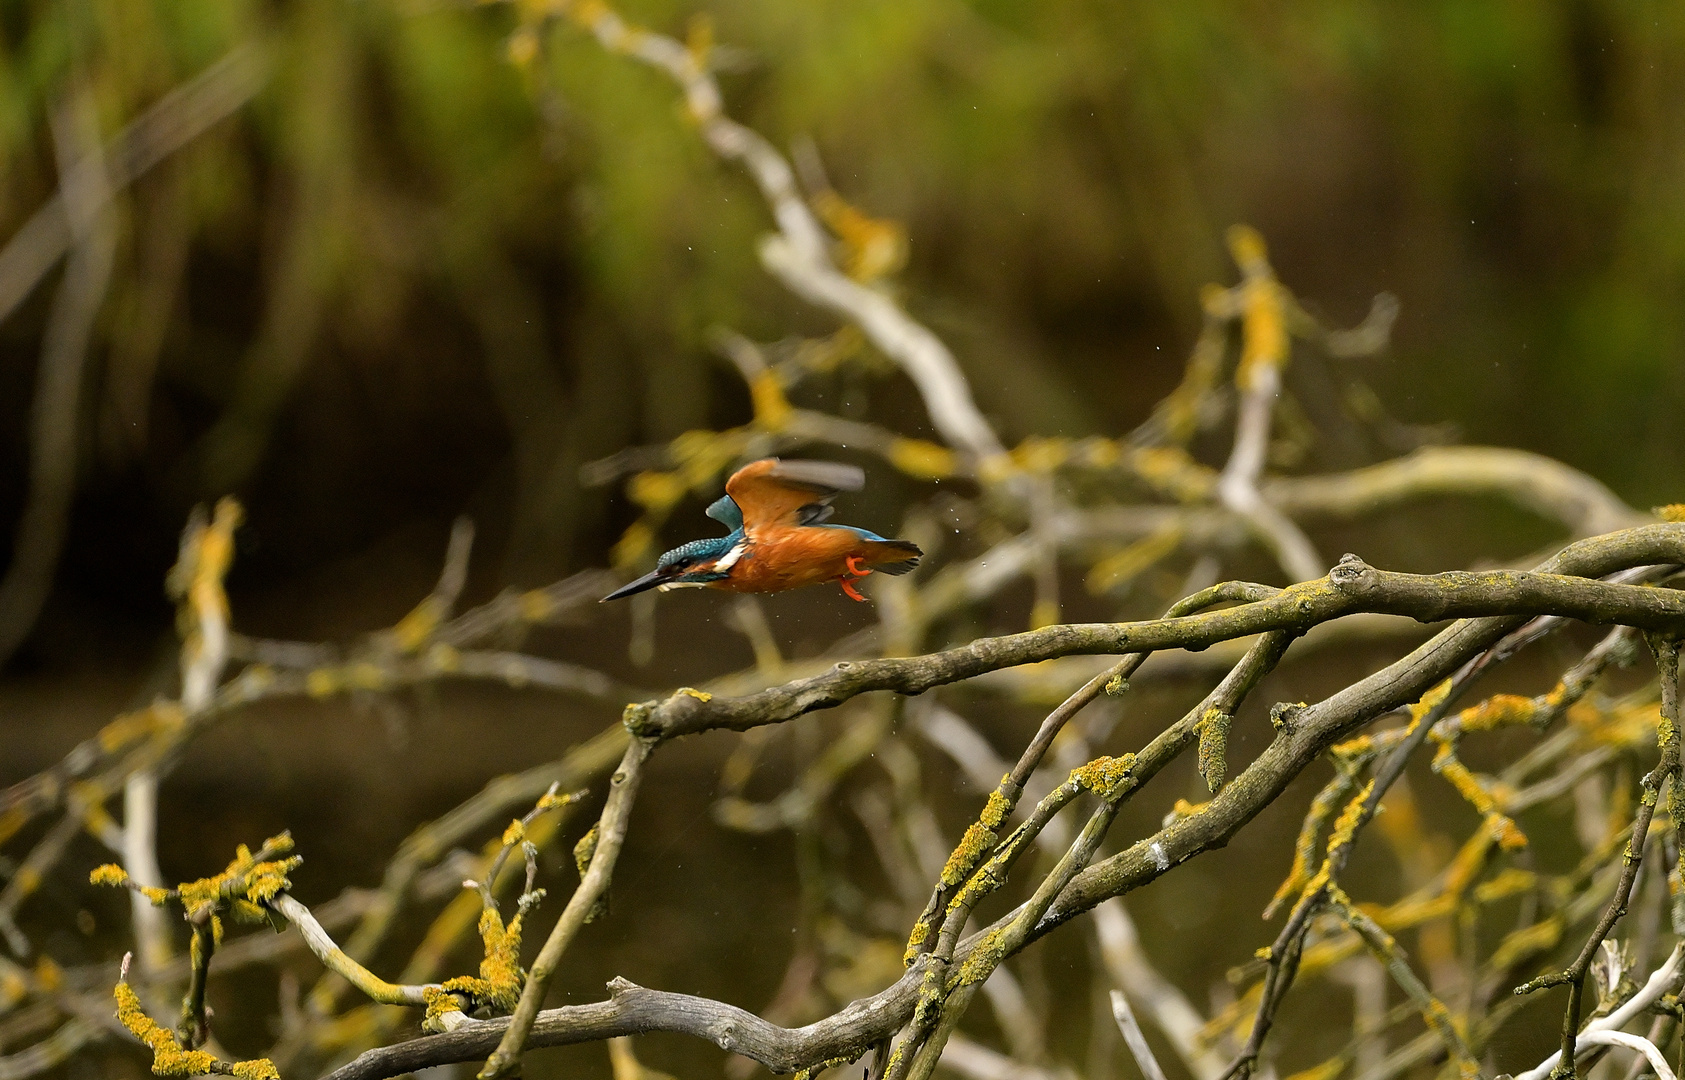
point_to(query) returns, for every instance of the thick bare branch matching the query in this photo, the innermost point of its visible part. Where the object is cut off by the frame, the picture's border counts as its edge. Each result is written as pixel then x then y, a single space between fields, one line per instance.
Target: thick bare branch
pixel 1350 588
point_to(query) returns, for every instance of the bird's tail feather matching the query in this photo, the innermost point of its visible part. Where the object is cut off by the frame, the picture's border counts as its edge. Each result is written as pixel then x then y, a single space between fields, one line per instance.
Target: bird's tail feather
pixel 905 556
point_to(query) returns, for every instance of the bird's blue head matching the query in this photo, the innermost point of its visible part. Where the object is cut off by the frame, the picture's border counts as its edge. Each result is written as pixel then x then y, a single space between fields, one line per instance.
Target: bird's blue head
pixel 695 563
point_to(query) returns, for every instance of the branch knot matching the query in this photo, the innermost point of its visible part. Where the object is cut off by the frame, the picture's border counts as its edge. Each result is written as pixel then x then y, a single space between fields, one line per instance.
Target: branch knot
pixel 1348 570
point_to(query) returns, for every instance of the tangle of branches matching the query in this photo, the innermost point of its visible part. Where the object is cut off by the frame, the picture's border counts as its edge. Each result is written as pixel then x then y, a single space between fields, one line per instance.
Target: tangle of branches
pixel 1148 518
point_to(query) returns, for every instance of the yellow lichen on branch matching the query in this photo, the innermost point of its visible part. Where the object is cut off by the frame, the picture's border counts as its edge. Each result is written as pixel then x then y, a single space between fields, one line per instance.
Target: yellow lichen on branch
pixel 243 888
pixel 168 1057
pixel 1264 339
pixel 498 986
pixel 114 875
pixel 1213 731
pixel 922 459
pixel 135 727
pixel 1304 851
pixel 766 394
pixel 247 884
pixel 873 248
pixel 1133 560
pixel 1104 775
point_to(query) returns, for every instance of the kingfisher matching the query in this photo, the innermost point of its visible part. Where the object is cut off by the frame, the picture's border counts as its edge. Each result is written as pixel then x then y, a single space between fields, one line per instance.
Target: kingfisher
pixel 777 512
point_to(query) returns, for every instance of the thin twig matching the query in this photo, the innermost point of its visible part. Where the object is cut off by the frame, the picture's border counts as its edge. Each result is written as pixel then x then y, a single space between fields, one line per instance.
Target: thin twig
pixel 611 834
pixel 1135 1037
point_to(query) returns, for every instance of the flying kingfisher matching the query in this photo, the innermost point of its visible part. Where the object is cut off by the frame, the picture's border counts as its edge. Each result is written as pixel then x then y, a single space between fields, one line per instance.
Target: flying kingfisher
pixel 777 512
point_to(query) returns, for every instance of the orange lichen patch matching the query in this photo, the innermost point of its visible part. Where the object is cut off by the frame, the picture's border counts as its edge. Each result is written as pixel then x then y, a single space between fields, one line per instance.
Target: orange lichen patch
pixel 86 797
pixel 168 1057
pixel 1501 710
pixel 920 934
pixel 980 836
pixel 1354 752
pixel 873 248
pixel 984 958
pixel 1345 831
pixel 1428 700
pixel 1483 796
pixel 550 800
pixel 1671 512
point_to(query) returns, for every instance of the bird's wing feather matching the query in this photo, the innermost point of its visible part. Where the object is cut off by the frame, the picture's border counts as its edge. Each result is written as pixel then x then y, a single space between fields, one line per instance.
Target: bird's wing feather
pixel 724 511
pixel 771 492
pixel 815 514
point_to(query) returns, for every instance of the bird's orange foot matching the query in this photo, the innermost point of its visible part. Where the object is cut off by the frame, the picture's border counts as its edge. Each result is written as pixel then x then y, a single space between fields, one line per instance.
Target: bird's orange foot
pixel 847 583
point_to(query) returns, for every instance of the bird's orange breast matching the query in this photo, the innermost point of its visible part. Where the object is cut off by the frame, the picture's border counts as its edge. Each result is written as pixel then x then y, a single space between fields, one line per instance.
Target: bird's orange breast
pixel 791 558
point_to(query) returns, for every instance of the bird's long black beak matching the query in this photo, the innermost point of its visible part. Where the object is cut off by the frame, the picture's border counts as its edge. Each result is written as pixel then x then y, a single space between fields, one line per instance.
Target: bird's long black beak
pixel 643 584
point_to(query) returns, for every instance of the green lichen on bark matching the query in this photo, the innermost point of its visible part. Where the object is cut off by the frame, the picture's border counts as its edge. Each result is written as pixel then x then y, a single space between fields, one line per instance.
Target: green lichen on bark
pixel 1213 731
pixel 1104 776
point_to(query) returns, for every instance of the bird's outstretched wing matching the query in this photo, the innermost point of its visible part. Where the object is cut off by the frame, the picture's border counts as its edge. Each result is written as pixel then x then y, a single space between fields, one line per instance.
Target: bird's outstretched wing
pixel 775 493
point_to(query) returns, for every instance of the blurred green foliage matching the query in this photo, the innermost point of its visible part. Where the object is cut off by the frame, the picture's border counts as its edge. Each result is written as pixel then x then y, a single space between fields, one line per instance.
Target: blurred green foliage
pixel 416 275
